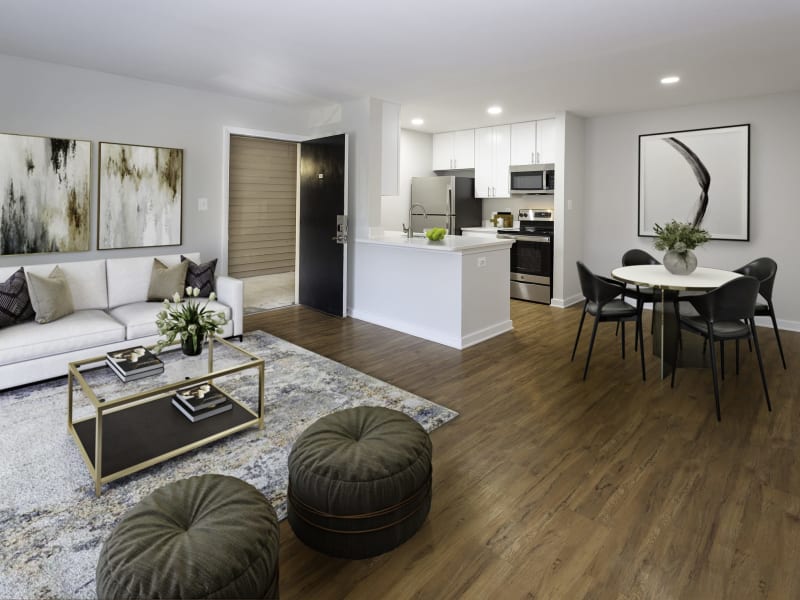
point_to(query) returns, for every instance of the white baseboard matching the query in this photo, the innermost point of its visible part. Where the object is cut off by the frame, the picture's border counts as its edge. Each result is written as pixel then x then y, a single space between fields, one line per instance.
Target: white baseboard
pixel 426 333
pixel 562 303
pixel 486 333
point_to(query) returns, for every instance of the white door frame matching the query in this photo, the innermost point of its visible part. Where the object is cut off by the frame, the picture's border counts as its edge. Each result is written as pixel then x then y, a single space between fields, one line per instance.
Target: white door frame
pixel 227 132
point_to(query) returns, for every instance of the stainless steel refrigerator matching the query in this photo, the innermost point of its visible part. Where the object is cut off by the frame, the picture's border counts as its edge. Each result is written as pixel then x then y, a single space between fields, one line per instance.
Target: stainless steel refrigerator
pixel 449 202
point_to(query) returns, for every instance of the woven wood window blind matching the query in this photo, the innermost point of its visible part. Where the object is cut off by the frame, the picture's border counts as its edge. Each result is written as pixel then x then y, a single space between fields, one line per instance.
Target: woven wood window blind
pixel 261 206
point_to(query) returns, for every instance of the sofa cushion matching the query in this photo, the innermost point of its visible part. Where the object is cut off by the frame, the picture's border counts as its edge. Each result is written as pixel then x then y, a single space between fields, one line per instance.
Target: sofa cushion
pixel 200 276
pixel 166 282
pixel 139 318
pixel 129 278
pixel 81 329
pixel 15 301
pixel 86 279
pixel 50 296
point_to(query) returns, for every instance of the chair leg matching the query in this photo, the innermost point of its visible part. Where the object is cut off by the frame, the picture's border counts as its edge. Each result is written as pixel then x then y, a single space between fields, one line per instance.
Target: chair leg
pixel 760 363
pixel 577 337
pixel 591 345
pixel 722 359
pixel 714 372
pixel 678 348
pixel 641 342
pixel 622 325
pixel 777 334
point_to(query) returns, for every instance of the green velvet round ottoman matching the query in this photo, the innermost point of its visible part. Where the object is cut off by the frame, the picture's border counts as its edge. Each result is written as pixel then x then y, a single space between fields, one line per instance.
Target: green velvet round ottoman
pixel 359 482
pixel 211 536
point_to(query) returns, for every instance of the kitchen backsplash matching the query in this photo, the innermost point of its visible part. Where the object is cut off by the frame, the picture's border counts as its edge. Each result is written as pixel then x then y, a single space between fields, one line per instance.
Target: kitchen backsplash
pixel 514 203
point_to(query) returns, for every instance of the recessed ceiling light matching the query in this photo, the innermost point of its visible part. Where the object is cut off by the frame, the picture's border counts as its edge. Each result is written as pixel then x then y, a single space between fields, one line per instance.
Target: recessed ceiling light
pixel 670 79
pixel 494 110
pixel 417 121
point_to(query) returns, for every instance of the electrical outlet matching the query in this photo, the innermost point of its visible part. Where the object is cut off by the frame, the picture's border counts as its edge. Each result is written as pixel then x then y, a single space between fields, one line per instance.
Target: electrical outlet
pixel 202 204
pixel 481 261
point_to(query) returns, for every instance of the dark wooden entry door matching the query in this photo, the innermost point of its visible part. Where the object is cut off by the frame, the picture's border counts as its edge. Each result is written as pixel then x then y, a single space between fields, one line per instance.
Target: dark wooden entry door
pixel 323 224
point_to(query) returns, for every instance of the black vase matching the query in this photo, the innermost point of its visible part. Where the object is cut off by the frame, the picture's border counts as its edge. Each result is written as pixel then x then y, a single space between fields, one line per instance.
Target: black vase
pixel 188 347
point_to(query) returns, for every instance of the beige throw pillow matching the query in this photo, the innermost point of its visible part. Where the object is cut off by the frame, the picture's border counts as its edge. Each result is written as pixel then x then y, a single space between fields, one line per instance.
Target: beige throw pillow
pixel 166 281
pixel 50 296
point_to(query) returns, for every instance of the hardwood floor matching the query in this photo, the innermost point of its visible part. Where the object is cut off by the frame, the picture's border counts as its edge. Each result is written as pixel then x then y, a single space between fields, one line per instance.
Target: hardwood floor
pixel 547 486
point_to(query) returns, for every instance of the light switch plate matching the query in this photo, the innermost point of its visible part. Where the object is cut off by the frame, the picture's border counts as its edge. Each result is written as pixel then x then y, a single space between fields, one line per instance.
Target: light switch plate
pixel 202 204
pixel 481 261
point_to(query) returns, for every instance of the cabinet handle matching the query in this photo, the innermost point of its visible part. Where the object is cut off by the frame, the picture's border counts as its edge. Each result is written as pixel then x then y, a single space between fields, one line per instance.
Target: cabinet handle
pixel 533 158
pixel 455 162
pixel 537 157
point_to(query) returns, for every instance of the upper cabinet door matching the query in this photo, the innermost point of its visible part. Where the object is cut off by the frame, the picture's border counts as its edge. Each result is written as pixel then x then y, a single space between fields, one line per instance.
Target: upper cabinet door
pixel 523 143
pixel 502 158
pixel 546 141
pixel 464 149
pixel 443 151
pixel 484 167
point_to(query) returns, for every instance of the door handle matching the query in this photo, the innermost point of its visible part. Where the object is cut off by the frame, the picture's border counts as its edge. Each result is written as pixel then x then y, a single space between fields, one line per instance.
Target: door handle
pixel 341 230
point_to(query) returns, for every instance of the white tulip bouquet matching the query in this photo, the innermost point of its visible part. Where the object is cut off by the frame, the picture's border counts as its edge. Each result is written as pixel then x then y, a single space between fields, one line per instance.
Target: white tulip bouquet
pixel 188 320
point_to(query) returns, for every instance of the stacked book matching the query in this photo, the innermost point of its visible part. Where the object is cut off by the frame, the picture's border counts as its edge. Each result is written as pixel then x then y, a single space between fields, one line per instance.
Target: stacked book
pixel 134 363
pixel 200 401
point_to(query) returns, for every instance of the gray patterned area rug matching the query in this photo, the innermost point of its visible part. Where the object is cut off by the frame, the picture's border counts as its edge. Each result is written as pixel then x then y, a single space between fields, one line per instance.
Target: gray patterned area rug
pixel 51 524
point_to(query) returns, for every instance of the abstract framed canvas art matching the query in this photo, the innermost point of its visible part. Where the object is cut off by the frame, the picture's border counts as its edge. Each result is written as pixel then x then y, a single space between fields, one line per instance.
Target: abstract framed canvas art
pixel 698 176
pixel 45 189
pixel 140 196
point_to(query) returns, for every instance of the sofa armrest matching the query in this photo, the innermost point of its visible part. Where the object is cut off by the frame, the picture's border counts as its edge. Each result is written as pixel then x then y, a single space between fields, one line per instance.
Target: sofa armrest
pixel 230 291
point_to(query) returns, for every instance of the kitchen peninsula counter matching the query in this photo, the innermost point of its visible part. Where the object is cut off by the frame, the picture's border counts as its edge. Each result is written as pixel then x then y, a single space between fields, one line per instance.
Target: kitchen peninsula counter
pixel 455 291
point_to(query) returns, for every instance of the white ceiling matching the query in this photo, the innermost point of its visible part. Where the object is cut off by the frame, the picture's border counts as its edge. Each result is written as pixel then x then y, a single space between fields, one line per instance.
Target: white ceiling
pixel 443 60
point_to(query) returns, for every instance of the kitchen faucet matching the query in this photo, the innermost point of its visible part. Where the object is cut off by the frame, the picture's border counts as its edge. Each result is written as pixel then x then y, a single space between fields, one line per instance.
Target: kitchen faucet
pixel 410 210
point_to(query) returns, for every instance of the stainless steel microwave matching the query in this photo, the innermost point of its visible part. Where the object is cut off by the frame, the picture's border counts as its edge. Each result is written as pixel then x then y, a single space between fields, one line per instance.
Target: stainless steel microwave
pixel 527 180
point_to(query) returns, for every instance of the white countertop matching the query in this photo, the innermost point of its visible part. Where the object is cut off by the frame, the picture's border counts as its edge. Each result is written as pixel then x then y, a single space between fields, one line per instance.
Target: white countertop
pixel 451 243
pixel 481 229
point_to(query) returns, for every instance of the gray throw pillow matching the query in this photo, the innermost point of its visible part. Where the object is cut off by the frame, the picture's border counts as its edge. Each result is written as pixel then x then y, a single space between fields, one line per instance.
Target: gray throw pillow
pixel 166 281
pixel 50 296
pixel 200 276
pixel 15 301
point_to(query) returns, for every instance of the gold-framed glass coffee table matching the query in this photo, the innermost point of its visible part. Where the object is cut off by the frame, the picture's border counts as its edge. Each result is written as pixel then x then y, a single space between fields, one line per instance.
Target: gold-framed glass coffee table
pixel 122 428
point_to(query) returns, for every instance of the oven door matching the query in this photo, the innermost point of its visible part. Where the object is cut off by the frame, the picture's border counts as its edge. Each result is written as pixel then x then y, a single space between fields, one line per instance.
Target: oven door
pixel 532 255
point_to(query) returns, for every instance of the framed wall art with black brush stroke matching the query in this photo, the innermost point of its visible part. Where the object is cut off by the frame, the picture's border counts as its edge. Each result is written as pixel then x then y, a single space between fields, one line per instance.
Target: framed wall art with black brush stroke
pixel 44 194
pixel 698 176
pixel 140 196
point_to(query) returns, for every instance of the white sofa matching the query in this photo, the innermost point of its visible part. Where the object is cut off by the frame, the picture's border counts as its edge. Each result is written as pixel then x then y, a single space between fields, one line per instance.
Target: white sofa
pixel 111 312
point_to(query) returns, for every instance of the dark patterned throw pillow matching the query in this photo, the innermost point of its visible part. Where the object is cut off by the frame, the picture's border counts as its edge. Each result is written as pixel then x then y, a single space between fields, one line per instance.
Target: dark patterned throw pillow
pixel 200 276
pixel 15 301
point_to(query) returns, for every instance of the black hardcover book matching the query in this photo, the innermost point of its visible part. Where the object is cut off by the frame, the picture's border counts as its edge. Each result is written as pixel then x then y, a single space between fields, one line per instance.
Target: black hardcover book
pixel 203 399
pixel 199 396
pixel 134 360
pixel 135 375
pixel 203 413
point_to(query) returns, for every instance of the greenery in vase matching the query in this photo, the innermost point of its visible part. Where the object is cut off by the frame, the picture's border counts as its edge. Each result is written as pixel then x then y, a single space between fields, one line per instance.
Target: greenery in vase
pixel 188 320
pixel 679 237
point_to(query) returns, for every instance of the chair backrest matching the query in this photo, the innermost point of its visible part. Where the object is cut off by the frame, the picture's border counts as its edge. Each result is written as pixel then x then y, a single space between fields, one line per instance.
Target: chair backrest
pixel 729 302
pixel 638 257
pixel 763 269
pixel 595 288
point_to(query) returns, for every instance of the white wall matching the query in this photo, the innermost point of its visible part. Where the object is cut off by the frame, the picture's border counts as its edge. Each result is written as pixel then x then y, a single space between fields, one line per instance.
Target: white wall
pixel 611 187
pixel 570 209
pixel 416 159
pixel 39 98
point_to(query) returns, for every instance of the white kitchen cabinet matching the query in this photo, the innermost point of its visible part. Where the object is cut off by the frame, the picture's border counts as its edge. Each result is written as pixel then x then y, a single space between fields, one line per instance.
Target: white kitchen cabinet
pixel 533 142
pixel 546 141
pixel 492 159
pixel 454 150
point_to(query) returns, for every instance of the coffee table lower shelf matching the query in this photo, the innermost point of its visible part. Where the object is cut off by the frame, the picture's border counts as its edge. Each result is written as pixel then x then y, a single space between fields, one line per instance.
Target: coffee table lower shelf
pixel 146 434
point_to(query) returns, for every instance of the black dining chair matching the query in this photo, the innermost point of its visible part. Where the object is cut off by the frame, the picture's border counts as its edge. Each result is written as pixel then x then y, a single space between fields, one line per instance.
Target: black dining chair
pixel 603 302
pixel 726 313
pixel 642 295
pixel 764 269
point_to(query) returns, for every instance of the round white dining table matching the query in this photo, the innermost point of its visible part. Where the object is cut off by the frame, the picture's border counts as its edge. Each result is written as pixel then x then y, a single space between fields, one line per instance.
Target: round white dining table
pixel 657 277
